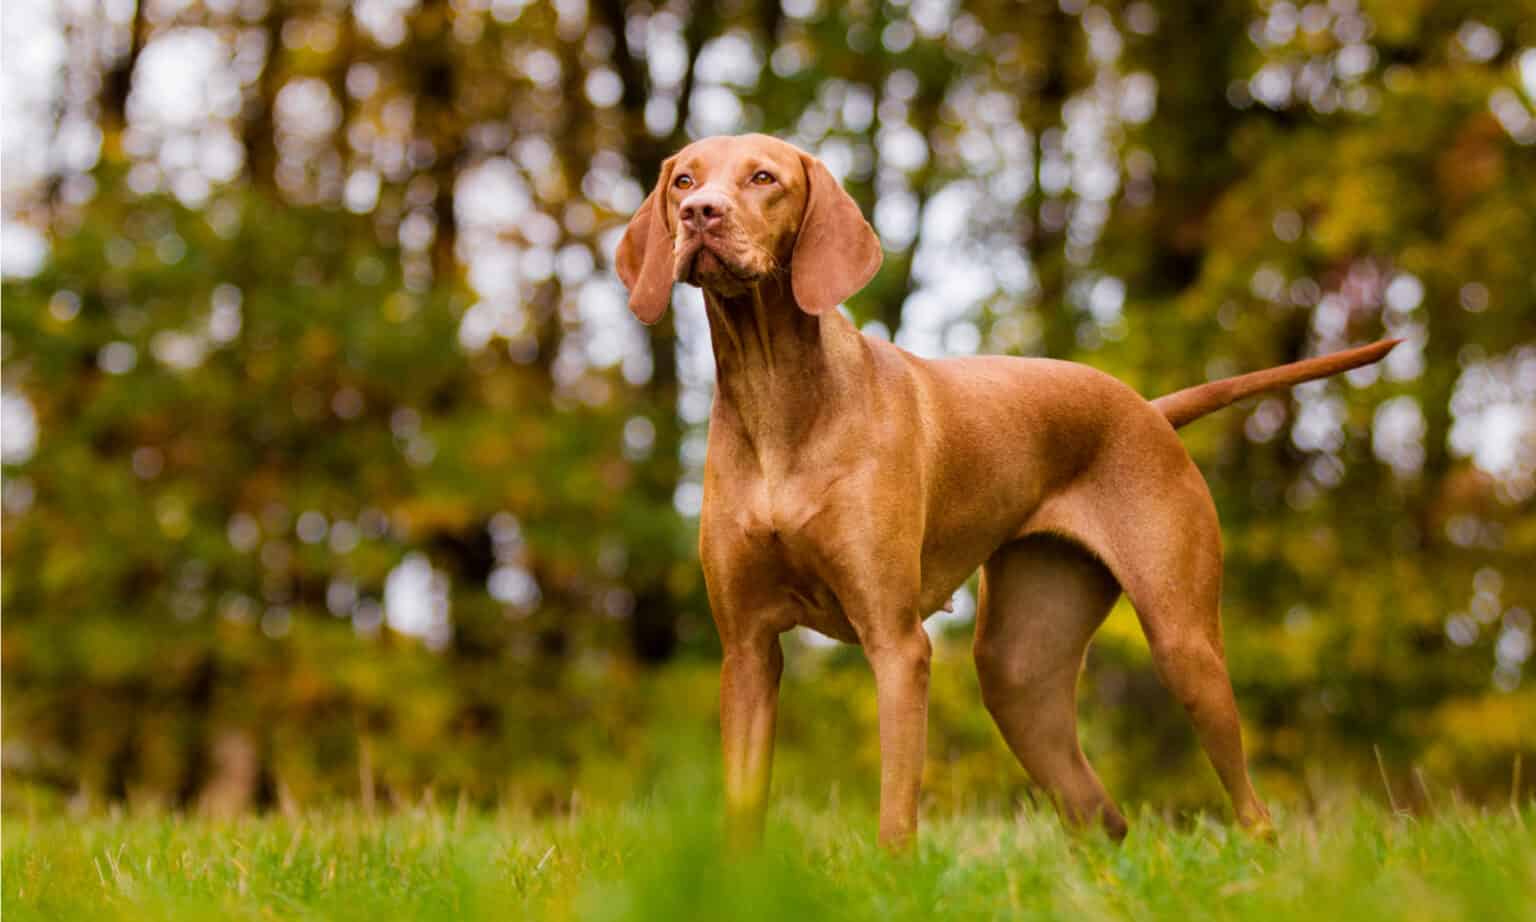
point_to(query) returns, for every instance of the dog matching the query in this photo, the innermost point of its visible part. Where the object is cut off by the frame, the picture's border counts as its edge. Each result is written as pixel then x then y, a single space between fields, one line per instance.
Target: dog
pixel 851 487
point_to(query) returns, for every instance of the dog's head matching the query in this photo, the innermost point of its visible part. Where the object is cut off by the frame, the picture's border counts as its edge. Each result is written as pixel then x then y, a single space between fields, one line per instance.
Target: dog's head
pixel 728 213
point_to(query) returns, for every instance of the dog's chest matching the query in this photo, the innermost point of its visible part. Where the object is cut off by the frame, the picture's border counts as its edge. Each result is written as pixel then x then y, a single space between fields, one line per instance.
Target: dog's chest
pixel 768 531
pixel 776 514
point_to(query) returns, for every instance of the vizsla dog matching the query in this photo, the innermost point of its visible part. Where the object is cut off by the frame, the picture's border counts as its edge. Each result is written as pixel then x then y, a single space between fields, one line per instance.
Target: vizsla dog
pixel 851 487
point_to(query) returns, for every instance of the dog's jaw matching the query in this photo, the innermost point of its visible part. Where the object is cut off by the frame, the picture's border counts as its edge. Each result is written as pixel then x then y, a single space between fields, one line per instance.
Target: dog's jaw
pixel 722 263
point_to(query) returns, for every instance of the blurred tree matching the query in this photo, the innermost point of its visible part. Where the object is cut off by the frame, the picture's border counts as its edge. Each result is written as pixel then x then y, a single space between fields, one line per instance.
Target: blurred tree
pixel 350 472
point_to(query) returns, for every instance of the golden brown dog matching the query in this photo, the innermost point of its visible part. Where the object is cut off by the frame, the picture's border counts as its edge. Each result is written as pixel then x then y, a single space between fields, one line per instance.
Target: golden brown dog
pixel 851 487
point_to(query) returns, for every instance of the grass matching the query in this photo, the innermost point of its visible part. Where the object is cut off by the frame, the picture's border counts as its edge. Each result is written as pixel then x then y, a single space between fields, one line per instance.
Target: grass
pixel 662 860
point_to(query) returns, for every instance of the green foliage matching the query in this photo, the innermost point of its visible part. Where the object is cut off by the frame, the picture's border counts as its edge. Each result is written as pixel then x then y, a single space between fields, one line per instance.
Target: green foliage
pixel 160 591
pixel 253 406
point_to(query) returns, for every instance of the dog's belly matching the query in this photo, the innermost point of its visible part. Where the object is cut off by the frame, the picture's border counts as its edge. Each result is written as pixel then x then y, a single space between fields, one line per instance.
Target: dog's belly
pixel 792 556
pixel 821 613
pixel 816 606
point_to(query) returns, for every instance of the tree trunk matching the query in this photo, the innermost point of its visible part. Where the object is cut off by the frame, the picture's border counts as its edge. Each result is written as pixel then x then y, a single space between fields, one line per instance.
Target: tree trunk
pixel 117 84
pixel 260 134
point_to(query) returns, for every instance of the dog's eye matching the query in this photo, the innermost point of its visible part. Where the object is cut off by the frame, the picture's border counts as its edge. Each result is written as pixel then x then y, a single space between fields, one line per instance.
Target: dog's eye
pixel 762 178
pixel 683 182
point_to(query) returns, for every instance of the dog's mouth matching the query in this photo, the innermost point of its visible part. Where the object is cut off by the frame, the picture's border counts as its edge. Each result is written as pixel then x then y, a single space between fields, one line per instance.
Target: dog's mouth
pixel 704 263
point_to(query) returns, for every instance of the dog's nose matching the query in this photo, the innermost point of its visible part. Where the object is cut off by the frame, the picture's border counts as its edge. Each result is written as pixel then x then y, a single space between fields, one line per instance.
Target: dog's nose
pixel 704 210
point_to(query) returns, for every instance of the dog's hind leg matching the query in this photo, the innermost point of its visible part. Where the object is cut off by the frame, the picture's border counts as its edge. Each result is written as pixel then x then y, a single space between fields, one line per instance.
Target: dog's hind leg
pixel 1041 600
pixel 1167 555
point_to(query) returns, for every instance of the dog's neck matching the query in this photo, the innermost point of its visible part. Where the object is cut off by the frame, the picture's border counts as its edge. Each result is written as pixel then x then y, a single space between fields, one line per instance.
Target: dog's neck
pixel 778 368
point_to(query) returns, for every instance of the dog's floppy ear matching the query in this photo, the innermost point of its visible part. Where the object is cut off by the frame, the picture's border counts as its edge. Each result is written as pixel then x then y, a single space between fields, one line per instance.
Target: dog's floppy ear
pixel 836 252
pixel 644 257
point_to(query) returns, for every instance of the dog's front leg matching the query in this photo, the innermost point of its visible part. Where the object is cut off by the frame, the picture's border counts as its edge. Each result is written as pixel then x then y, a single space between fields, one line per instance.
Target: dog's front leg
pixel 900 659
pixel 876 581
pixel 749 703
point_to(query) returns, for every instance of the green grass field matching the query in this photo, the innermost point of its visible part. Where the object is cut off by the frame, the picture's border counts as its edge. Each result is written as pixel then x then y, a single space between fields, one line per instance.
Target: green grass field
pixel 663 861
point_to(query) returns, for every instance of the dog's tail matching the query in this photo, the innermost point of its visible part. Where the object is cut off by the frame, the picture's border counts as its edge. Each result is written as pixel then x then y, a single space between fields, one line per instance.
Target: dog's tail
pixel 1188 405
